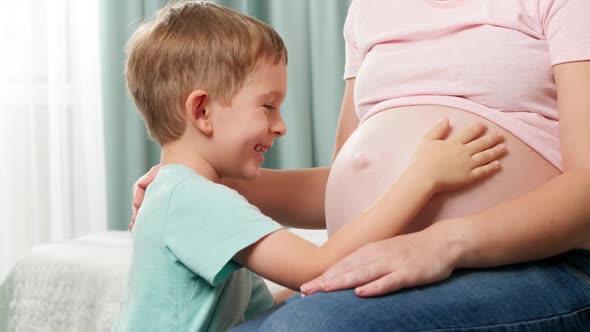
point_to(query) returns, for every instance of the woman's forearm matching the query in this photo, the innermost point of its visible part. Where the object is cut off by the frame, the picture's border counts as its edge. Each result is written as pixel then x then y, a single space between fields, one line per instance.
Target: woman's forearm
pixel 294 198
pixel 545 222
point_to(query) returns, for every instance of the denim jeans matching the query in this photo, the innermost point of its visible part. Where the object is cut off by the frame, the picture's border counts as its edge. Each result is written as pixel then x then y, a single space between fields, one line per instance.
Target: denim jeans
pixel 547 295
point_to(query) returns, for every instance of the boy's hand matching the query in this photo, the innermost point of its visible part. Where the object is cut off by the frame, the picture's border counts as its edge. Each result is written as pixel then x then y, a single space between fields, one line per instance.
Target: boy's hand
pixel 139 190
pixel 459 160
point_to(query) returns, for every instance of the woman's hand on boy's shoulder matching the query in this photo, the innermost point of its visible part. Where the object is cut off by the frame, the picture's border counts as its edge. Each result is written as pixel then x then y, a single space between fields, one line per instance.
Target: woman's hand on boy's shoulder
pixel 139 188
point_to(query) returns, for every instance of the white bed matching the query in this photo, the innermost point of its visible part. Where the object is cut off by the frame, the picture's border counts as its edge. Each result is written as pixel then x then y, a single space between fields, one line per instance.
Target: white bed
pixel 75 285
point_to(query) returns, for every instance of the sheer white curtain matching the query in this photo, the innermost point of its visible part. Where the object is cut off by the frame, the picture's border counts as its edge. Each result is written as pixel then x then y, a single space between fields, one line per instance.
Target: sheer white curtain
pixel 51 144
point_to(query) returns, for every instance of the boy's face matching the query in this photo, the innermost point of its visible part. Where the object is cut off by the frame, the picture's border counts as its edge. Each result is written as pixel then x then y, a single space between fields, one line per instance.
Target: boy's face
pixel 244 130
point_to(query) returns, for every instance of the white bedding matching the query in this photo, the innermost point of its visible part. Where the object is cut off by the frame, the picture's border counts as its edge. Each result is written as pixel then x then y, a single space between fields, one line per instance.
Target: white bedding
pixel 75 285
pixel 70 286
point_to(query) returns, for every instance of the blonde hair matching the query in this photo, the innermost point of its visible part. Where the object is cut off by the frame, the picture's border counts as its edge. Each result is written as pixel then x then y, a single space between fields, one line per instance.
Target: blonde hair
pixel 192 45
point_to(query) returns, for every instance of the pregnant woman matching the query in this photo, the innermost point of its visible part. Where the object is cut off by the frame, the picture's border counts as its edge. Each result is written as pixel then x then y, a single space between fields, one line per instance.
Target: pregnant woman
pixel 505 253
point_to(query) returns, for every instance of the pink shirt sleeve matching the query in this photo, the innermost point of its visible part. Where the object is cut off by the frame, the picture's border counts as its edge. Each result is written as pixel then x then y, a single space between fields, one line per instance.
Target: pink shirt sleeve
pixel 567 29
pixel 353 55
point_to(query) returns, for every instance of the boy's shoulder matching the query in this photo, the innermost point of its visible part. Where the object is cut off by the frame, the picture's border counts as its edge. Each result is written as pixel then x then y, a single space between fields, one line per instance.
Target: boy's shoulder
pixel 183 184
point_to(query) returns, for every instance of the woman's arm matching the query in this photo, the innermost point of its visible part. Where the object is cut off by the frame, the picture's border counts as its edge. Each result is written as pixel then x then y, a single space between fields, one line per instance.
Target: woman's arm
pixel 555 217
pixel 547 221
pixel 294 198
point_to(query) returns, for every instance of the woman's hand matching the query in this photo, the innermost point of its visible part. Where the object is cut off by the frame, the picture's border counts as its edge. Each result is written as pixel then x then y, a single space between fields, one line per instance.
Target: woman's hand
pixel 382 267
pixel 450 163
pixel 139 190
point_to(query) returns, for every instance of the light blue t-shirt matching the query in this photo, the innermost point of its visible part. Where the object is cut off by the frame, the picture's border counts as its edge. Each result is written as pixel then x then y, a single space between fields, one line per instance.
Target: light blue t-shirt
pixel 182 276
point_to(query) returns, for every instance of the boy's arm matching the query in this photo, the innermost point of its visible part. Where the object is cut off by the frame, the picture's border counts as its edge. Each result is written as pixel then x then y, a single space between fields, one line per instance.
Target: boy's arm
pixel 289 260
pixel 294 198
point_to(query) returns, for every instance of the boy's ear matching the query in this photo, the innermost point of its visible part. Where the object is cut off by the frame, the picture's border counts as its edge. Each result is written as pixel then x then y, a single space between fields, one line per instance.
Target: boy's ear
pixel 196 111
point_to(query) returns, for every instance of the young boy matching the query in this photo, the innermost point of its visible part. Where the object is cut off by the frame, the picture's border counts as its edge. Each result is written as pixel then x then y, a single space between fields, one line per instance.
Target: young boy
pixel 209 83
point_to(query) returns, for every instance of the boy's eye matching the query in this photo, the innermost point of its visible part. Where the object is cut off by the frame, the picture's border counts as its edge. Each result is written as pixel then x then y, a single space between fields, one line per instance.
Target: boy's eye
pixel 269 107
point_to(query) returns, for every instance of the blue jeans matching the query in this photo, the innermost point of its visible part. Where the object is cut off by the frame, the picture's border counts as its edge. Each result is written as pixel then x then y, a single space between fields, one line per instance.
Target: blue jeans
pixel 547 295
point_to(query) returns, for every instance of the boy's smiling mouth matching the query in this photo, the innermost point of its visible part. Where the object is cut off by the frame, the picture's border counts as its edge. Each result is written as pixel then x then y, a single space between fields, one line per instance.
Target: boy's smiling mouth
pixel 261 148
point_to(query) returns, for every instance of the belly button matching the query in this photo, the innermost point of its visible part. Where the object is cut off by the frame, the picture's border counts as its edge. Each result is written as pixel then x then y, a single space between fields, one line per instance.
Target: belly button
pixel 360 161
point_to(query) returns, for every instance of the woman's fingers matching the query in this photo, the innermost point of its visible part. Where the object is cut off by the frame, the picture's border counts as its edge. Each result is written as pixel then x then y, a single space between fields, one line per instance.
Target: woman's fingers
pixel 138 193
pixel 139 188
pixel 133 216
pixel 439 131
pixel 148 178
pixel 357 277
pixel 367 254
pixel 335 271
pixel 386 284
pixel 470 133
pixel 141 184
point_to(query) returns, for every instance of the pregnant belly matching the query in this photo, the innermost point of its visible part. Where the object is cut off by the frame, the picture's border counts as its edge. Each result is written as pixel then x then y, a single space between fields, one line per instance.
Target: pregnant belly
pixel 382 147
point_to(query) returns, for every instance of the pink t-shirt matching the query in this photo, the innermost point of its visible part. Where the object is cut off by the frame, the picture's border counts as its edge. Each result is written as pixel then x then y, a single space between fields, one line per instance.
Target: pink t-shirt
pixel 489 57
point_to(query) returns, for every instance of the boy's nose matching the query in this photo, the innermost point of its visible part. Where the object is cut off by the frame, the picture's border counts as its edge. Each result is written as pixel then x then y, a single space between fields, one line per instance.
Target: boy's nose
pixel 279 128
